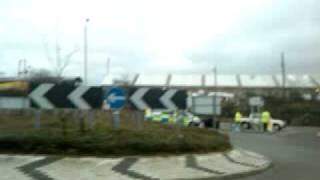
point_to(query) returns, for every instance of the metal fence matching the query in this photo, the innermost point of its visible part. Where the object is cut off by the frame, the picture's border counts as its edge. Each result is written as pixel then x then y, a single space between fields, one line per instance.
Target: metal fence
pixel 65 120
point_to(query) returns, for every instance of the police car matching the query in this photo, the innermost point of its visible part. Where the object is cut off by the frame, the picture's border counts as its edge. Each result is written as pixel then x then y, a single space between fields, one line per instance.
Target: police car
pixel 187 118
pixel 254 120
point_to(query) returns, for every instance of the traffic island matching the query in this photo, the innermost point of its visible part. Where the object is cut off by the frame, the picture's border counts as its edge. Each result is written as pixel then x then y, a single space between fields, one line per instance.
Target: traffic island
pixel 64 136
pixel 66 149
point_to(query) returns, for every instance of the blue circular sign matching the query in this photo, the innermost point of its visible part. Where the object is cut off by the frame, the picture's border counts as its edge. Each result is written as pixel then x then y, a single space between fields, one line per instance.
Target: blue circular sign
pixel 115 97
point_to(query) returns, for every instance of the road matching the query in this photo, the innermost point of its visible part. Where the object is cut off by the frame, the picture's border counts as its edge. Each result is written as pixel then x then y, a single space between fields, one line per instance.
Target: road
pixel 295 153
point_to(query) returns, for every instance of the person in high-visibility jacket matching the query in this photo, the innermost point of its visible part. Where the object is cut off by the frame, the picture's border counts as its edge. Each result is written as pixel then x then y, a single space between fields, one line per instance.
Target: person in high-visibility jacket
pixel 172 119
pixel 265 119
pixel 237 120
pixel 147 114
pixel 186 120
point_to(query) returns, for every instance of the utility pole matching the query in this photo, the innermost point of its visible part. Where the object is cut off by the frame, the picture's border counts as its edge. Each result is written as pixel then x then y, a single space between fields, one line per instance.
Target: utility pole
pixel 19 68
pixel 108 66
pixel 85 51
pixel 22 68
pixel 284 75
pixel 25 70
pixel 58 60
pixel 215 81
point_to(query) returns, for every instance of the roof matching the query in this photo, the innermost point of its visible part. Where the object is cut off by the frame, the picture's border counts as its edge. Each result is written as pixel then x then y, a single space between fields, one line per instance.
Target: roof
pixel 223 80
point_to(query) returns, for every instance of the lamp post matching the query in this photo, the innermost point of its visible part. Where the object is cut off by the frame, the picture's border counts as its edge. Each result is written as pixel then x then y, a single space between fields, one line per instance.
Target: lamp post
pixel 85 51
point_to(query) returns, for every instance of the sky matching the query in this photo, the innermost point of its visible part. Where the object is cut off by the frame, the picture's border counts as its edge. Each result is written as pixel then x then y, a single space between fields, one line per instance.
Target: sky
pixel 162 36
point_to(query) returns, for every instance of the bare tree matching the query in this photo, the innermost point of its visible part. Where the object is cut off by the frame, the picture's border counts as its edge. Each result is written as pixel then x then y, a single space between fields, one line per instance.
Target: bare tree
pixel 59 62
pixel 122 80
pixel 42 76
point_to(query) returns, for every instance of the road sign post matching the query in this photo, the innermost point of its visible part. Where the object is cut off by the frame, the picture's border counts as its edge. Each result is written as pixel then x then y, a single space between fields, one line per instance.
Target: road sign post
pixel 116 119
pixel 115 99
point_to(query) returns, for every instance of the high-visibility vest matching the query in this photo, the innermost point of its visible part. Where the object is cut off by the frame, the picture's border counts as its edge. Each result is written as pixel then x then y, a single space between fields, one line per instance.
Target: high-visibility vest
pixel 265 117
pixel 237 117
pixel 147 113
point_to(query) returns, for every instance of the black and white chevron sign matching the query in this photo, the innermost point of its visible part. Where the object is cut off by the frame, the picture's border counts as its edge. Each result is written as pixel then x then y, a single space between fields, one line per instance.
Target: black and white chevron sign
pixel 156 98
pixel 50 96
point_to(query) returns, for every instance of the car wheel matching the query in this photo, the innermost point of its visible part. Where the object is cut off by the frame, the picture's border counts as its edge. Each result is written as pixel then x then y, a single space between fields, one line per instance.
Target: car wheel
pixel 245 126
pixel 277 127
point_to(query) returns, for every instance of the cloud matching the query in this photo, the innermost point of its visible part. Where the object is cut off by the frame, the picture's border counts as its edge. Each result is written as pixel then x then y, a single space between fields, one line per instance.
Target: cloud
pixel 164 36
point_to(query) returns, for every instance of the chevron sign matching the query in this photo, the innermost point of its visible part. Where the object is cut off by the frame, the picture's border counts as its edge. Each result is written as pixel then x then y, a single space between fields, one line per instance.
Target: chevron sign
pixel 50 96
pixel 156 98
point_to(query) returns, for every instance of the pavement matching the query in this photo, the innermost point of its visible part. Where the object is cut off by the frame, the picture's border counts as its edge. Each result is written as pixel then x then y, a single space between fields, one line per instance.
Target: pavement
pixel 295 152
pixel 230 164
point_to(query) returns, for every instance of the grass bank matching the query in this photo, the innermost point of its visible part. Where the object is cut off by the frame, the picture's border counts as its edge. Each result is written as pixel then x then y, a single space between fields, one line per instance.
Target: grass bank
pixel 71 134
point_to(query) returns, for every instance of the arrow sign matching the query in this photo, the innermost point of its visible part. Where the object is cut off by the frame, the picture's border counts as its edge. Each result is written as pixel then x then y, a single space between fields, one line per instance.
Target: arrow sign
pixel 38 96
pixel 64 95
pixel 159 99
pixel 115 97
pixel 112 98
pixel 76 97
pixel 166 99
pixel 137 98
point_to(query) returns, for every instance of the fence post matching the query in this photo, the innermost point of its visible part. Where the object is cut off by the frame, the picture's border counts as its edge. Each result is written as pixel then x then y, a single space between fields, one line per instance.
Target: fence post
pixel 37 119
pixel 82 123
pixel 91 118
pixel 179 121
pixel 63 118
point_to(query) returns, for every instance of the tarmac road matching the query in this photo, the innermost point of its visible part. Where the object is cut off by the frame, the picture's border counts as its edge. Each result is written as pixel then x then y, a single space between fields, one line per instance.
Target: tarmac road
pixel 295 152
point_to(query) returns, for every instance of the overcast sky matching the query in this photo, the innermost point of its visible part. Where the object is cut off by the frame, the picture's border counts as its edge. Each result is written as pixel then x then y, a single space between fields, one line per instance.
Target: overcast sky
pixel 185 36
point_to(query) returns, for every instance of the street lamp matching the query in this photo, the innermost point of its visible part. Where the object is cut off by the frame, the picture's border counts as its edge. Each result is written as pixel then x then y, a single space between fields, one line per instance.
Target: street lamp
pixel 85 51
